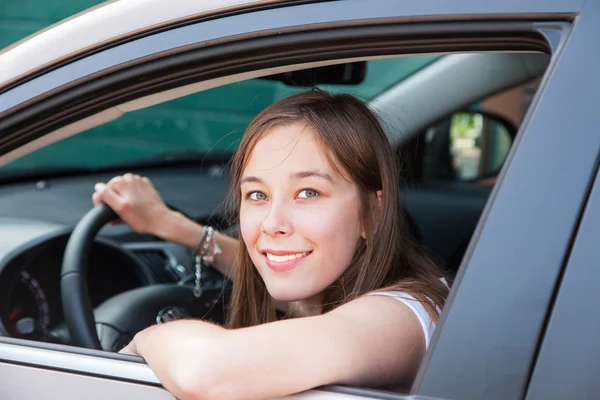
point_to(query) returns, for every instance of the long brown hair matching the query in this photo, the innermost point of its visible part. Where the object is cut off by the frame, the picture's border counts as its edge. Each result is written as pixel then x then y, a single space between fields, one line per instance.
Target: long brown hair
pixel 358 148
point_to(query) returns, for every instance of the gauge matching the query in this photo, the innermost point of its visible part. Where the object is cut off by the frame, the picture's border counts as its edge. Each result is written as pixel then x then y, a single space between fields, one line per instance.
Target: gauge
pixel 29 312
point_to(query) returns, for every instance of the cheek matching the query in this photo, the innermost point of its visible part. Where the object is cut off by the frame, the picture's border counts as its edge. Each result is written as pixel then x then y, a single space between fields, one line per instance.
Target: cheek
pixel 250 225
pixel 334 228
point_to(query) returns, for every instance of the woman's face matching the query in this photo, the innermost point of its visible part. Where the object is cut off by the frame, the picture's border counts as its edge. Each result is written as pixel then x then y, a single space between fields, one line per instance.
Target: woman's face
pixel 298 218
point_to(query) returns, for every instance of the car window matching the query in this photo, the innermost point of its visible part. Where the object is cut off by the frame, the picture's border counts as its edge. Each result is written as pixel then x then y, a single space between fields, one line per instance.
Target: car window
pixel 209 123
pixel 471 145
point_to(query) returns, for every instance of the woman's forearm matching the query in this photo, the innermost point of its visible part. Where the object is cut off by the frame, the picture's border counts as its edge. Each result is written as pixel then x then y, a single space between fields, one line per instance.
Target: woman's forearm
pixel 196 360
pixel 369 341
pixel 177 228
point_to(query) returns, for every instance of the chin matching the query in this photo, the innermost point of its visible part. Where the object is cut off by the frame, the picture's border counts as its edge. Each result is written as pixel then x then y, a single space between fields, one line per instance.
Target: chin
pixel 290 294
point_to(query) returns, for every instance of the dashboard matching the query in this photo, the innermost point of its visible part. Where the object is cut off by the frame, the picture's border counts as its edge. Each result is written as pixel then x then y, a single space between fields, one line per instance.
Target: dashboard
pixel 35 225
pixel 30 299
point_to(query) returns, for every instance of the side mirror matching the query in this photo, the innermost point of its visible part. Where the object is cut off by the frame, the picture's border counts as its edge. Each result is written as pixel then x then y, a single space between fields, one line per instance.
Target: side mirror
pixel 468 146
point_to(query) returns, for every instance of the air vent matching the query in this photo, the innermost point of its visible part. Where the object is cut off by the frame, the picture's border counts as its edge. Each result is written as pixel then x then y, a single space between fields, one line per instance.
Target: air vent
pixel 159 264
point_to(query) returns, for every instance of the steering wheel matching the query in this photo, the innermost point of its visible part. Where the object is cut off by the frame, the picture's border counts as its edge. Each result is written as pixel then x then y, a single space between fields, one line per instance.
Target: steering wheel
pixel 114 323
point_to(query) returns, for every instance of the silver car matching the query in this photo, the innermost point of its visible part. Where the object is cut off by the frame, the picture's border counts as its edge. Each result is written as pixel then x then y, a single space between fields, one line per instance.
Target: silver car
pixel 491 106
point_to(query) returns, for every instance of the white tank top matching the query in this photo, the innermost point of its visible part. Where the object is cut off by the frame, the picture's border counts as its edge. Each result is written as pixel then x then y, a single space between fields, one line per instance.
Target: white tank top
pixel 417 307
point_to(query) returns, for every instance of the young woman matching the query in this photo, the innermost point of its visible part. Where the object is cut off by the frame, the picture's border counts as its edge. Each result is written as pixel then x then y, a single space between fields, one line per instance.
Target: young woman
pixel 315 186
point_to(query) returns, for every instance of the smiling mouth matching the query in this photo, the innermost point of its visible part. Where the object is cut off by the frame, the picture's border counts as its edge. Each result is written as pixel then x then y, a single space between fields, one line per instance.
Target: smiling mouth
pixel 287 257
pixel 279 263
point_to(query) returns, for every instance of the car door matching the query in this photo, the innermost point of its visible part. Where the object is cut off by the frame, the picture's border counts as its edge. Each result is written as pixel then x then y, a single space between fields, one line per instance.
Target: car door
pixel 510 259
pixel 487 339
pixel 568 357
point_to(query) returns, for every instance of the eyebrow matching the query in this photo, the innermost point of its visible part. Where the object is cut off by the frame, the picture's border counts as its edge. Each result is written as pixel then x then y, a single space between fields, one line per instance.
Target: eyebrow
pixel 295 175
pixel 312 174
pixel 251 179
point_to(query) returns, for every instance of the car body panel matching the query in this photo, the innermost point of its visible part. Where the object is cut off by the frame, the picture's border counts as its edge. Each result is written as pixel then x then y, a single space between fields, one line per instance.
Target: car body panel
pixel 60 44
pixel 70 386
pixel 487 339
pixel 498 341
pixel 569 358
pixel 90 374
pixel 565 369
pixel 346 12
pixel 67 385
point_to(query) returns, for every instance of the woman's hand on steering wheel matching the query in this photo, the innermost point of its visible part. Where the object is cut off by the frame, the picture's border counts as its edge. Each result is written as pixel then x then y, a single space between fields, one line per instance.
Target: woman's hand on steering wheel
pixel 135 200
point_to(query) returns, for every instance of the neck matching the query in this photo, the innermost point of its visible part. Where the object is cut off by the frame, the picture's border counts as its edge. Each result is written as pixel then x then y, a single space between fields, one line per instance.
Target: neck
pixel 307 307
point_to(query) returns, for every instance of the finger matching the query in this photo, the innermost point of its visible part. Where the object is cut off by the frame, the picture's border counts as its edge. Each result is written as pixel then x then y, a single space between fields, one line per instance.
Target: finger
pixel 116 183
pixel 100 197
pixel 99 188
pixel 112 199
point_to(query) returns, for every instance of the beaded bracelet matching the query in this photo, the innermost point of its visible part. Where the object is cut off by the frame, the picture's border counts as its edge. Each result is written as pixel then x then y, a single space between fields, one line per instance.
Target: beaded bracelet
pixel 205 253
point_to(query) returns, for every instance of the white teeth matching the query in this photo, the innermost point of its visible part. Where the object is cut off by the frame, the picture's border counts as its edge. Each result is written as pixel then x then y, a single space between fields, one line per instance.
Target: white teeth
pixel 274 258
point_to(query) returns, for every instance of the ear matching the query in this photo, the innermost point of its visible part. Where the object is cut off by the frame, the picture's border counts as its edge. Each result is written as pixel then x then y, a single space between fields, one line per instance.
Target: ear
pixel 379 211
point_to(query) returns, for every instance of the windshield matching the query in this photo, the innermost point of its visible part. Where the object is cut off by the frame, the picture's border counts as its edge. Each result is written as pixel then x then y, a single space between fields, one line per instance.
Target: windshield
pixel 210 122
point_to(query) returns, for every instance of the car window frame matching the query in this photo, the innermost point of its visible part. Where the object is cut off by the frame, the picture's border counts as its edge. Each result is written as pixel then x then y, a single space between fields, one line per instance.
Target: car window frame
pixel 484 236
pixel 11 120
pixel 277 21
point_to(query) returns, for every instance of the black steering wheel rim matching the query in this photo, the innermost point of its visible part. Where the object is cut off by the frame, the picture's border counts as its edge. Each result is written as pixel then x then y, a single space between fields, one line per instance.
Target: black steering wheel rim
pixel 77 306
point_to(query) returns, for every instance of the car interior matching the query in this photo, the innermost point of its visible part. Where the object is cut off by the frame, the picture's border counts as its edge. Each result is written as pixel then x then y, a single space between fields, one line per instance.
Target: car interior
pixel 447 117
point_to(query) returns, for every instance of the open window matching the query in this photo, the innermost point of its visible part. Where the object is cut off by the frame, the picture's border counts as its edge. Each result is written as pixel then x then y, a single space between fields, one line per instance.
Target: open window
pixel 200 127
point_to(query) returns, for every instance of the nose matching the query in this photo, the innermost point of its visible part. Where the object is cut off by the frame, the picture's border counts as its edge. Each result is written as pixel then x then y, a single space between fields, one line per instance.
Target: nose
pixel 277 222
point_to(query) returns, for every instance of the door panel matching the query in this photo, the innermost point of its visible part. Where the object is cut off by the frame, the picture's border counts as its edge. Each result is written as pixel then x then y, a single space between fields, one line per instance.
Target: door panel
pixel 569 357
pixel 487 340
pixel 19 382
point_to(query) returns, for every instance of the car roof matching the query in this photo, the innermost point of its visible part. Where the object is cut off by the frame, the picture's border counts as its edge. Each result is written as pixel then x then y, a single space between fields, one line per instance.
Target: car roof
pixel 109 22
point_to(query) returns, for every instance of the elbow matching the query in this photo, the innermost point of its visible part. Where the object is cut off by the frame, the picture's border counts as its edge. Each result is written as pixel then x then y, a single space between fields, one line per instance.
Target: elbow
pixel 192 383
